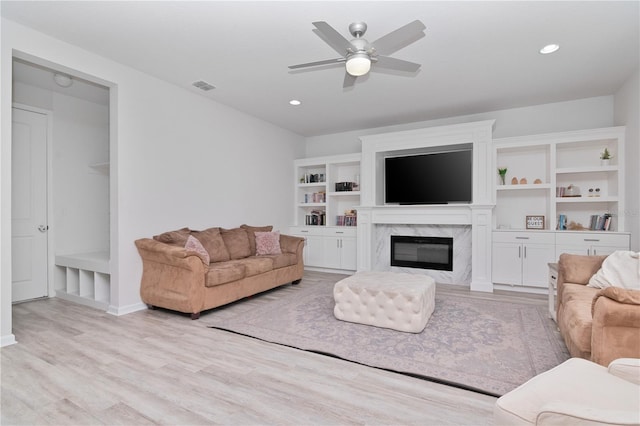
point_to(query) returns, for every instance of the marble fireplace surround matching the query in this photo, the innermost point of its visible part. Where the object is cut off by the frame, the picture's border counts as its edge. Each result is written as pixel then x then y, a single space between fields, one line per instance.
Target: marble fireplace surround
pixel 461 235
pixel 471 221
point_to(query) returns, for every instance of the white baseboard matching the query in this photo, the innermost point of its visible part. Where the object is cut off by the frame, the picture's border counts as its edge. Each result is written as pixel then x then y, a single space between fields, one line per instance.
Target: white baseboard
pixel 124 310
pixel 7 340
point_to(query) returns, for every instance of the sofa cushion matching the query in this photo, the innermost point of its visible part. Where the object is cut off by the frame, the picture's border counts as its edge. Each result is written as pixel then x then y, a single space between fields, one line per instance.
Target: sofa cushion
pixel 213 243
pixel 224 272
pixel 175 238
pixel 193 244
pixel 237 242
pixel 254 265
pixel 267 243
pixel 282 260
pixel 251 230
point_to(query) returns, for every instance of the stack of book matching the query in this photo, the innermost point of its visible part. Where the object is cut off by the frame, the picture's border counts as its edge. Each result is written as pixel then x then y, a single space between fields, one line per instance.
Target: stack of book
pixel 350 218
pixel 600 222
pixel 316 197
pixel 315 217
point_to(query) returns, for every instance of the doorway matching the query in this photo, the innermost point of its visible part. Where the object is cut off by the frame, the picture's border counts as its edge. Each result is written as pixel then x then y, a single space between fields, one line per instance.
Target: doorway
pixel 74 162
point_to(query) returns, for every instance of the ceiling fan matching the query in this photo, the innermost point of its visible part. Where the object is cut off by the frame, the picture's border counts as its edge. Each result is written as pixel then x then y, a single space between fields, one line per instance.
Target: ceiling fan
pixel 359 55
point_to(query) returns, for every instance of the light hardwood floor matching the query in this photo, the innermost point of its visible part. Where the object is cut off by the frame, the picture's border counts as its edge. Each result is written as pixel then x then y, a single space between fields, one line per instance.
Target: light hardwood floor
pixel 77 365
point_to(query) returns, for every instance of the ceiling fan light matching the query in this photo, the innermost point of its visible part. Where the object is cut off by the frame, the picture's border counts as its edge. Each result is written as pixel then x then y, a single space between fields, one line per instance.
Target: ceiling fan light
pixel 358 64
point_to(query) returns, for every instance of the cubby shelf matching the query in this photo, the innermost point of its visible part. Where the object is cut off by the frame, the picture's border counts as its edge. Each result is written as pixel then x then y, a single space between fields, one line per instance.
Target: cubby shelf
pixel 523 187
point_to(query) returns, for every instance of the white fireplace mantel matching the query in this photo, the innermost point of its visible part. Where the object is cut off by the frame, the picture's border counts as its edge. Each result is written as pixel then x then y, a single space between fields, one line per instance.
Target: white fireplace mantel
pixel 373 211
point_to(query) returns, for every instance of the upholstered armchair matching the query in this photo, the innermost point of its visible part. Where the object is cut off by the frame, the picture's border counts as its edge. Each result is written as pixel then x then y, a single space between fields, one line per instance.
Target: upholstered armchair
pixel 577 392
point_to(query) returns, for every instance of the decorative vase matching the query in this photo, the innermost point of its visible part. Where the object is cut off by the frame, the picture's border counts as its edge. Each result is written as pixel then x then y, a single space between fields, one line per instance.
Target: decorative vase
pixel 604 162
pixel 501 179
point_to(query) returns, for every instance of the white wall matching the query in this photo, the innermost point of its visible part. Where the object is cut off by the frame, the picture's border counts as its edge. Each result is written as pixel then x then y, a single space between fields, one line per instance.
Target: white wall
pixel 80 193
pixel 580 114
pixel 178 159
pixel 627 113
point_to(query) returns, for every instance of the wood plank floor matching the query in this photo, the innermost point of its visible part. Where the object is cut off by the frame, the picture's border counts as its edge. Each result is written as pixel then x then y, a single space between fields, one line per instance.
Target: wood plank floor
pixel 75 365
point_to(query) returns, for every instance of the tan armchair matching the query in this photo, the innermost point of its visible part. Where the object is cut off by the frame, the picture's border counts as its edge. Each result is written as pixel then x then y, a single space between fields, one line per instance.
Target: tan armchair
pixel 598 325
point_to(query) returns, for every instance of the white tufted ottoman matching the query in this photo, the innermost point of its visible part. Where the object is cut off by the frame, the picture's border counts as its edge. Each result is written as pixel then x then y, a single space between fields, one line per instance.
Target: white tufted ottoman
pixel 399 301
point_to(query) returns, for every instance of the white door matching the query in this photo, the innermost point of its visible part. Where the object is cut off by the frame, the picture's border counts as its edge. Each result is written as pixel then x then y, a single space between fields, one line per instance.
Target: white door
pixel 29 205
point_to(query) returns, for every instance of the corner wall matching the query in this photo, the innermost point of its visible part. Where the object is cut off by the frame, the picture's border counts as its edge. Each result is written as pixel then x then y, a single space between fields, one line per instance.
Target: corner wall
pixel 627 113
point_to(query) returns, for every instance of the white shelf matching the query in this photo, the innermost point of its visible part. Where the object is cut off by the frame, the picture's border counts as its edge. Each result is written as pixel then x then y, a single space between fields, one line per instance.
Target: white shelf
pixel 344 193
pixel 312 185
pixel 568 170
pixel 586 199
pixel 523 187
pixel 83 278
pixel 312 204
pixel 95 261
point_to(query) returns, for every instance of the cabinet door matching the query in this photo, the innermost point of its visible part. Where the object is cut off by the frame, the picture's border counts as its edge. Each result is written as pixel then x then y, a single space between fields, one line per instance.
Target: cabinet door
pixel 332 253
pixel 313 250
pixel 535 268
pixel 348 258
pixel 507 263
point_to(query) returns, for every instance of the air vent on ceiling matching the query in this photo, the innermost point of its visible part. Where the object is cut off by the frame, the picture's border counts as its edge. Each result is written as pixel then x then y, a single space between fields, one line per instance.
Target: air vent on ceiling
pixel 203 85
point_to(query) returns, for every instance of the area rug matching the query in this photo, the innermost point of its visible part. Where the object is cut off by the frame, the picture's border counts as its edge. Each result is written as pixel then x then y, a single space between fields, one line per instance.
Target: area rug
pixel 473 343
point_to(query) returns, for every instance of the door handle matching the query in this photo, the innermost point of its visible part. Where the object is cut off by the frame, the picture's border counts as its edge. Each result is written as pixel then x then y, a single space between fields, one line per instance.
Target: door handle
pixel 43 228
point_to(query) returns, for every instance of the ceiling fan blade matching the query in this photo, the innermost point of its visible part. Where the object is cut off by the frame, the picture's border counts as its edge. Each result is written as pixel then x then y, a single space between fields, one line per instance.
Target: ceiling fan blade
pixel 313 64
pixel 349 80
pixel 399 38
pixel 396 64
pixel 333 38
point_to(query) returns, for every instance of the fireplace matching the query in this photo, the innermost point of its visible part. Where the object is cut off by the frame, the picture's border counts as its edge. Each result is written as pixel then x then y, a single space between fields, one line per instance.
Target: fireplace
pixel 422 252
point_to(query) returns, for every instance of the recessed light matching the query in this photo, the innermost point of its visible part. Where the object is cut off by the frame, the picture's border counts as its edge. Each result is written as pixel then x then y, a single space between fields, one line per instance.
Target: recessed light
pixel 294 102
pixel 549 48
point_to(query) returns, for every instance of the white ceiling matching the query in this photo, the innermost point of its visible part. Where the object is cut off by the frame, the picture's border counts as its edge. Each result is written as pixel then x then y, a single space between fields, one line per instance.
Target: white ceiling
pixel 476 56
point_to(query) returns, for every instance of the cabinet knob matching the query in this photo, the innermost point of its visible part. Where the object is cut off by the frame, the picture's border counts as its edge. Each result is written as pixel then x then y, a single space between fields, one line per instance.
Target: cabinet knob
pixel 592 239
pixel 522 238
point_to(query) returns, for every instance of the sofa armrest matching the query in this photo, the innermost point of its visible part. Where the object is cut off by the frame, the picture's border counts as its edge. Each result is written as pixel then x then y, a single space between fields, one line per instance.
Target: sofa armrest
pixel 626 368
pixel 172 277
pixel 291 244
pixel 615 331
pixel 565 413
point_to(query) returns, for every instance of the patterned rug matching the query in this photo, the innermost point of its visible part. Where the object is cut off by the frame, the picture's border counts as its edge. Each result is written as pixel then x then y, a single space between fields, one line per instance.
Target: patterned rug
pixel 481 345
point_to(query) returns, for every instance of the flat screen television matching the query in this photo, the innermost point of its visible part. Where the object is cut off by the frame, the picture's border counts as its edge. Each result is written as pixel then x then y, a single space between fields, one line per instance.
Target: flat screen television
pixel 436 178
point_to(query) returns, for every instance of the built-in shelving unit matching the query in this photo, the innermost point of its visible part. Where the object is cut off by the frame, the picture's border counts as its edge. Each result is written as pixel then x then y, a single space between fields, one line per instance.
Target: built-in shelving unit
pixel 329 243
pixel 558 160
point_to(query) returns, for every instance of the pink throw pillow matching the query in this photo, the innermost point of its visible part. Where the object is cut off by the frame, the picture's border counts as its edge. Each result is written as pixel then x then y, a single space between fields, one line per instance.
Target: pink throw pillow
pixel 268 243
pixel 193 244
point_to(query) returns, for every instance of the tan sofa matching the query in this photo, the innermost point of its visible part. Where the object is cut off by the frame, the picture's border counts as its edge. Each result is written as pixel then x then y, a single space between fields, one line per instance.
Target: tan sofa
pixel 178 279
pixel 597 324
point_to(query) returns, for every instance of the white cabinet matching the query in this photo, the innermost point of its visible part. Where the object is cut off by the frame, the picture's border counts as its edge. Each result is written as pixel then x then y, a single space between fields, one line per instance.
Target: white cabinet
pixel 328 247
pixel 591 243
pixel 340 248
pixel 520 258
pixel 313 244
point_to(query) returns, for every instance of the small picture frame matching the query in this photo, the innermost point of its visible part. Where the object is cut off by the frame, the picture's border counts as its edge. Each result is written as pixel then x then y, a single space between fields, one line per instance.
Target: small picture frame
pixel 535 222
